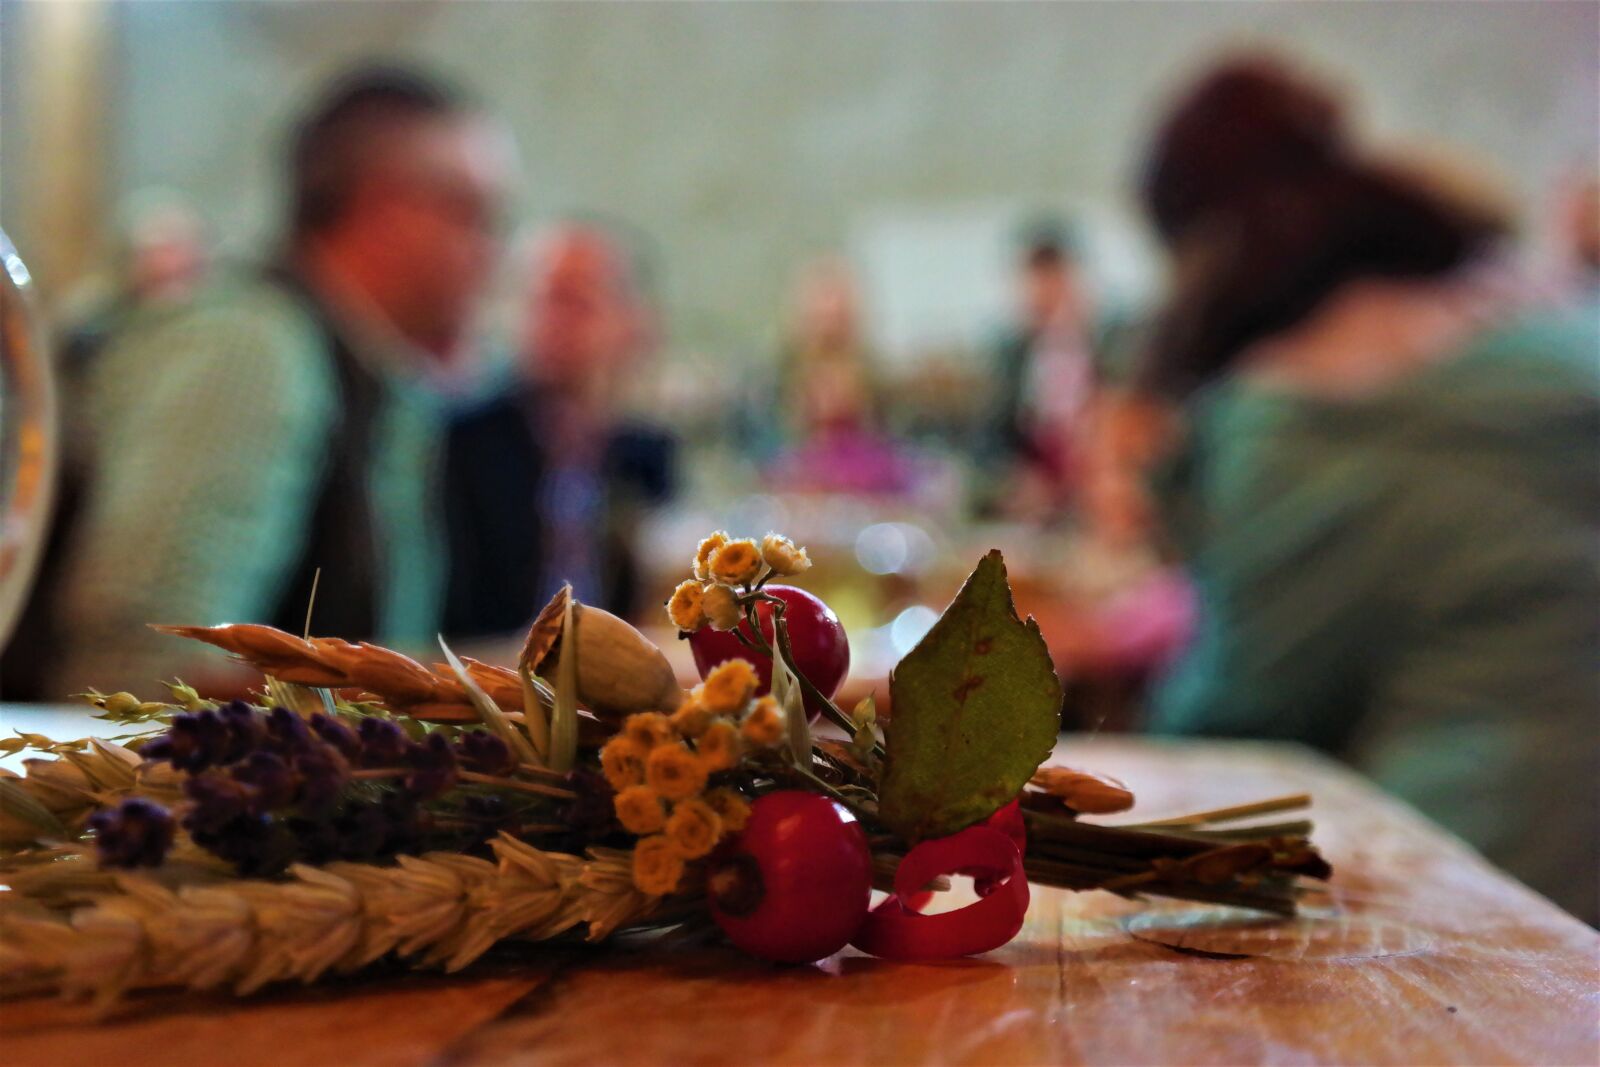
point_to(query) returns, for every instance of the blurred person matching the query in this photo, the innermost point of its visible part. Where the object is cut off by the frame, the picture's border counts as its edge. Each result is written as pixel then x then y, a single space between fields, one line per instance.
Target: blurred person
pixel 828 385
pixel 829 397
pixel 158 262
pixel 287 423
pixel 1045 379
pixel 1383 470
pixel 1579 236
pixel 160 259
pixel 548 478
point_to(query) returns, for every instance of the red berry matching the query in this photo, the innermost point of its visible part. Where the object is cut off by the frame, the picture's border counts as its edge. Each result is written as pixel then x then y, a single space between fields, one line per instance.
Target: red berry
pixel 795 883
pixel 821 649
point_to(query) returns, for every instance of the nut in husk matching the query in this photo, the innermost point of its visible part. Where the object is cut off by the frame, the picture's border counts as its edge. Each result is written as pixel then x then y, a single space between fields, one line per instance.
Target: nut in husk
pixel 620 671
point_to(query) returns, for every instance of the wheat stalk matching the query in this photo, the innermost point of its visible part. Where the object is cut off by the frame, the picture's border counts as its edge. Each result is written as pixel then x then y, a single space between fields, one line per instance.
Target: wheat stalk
pixel 53 797
pixel 395 679
pixel 390 678
pixel 438 910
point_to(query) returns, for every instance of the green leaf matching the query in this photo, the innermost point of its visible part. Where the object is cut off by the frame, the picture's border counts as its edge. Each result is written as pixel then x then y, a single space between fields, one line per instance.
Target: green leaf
pixel 976 708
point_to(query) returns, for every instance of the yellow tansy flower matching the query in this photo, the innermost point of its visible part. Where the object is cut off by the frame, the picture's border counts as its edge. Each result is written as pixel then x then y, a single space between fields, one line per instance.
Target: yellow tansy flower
pixel 763 727
pixel 719 746
pixel 782 555
pixel 694 828
pixel 729 686
pixel 707 549
pixel 692 716
pixel 686 608
pixel 736 563
pixel 674 772
pixel 731 808
pixel 657 866
pixel 720 606
pixel 647 729
pixel 622 762
pixel 640 810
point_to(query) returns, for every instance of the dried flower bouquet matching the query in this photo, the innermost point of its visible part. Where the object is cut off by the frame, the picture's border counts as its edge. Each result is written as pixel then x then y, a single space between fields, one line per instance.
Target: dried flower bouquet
pixel 369 806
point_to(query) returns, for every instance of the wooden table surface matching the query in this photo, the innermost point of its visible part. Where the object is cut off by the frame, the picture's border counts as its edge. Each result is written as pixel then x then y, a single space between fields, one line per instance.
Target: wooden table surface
pixel 1421 954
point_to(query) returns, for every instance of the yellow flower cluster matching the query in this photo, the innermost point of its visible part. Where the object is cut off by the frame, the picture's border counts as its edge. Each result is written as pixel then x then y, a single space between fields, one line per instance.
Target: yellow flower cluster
pixel 660 765
pixel 723 568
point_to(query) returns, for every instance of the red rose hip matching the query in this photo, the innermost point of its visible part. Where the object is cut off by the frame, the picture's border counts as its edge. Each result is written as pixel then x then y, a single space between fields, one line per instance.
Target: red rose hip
pixel 821 649
pixel 795 884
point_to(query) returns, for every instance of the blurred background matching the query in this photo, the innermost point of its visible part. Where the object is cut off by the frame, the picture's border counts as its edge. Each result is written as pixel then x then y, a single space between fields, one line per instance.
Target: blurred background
pixel 903 282
pixel 745 139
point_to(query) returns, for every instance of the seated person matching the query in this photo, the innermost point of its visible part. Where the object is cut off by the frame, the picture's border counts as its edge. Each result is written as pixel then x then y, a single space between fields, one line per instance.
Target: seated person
pixel 547 479
pixel 286 423
pixel 1045 377
pixel 158 263
pixel 1384 473
pixel 830 404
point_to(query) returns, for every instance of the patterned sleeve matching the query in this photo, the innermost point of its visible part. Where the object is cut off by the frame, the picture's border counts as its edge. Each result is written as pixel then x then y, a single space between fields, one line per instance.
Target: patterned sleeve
pixel 209 431
pixel 1290 565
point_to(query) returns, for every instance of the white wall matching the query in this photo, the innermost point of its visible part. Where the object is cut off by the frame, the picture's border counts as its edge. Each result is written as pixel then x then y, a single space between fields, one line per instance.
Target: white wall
pixel 744 137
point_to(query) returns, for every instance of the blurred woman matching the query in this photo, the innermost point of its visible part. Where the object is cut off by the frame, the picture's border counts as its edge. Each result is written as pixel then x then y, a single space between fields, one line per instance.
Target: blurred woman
pixel 829 396
pixel 1383 468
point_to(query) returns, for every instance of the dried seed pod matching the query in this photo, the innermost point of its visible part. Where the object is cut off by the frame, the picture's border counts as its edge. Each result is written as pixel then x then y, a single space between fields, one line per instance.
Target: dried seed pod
pixel 619 670
pixel 1083 792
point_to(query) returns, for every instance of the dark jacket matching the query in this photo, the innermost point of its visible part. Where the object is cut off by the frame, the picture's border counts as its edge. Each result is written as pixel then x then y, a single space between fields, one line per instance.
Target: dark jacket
pixel 498 490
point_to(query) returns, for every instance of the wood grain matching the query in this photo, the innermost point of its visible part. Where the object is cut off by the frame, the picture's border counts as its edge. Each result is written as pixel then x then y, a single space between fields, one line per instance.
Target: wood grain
pixel 1420 953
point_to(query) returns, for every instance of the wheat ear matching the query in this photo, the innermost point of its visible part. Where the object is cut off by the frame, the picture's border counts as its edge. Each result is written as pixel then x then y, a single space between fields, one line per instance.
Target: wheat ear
pixel 395 679
pixel 438 910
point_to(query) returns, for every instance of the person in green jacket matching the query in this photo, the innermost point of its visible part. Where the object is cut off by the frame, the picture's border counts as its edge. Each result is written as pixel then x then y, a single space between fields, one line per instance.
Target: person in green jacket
pixel 1384 476
pixel 279 435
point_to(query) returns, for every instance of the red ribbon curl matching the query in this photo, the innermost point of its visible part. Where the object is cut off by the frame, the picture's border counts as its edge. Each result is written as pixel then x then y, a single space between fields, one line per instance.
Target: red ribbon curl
pixel 990 853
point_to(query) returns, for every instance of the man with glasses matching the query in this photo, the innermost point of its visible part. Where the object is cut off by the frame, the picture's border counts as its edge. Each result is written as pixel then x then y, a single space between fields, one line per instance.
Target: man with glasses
pixel 291 422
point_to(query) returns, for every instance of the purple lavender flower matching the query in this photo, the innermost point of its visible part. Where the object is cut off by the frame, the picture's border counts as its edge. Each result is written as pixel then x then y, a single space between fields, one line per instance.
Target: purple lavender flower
pixel 320 840
pixel 158 747
pixel 195 740
pixel 336 734
pixel 215 800
pixel 255 844
pixel 383 744
pixel 362 830
pixel 370 828
pixel 486 752
pixel 246 728
pixel 272 780
pixel 287 733
pixel 433 767
pixel 322 773
pixel 492 814
pixel 591 812
pixel 135 833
